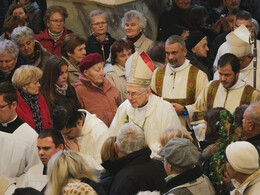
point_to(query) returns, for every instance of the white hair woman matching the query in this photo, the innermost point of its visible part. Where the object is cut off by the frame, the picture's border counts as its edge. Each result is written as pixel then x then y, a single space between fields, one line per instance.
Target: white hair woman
pixel 8 60
pixel 134 24
pixel 31 51
pixel 100 40
pixel 65 170
pixel 32 107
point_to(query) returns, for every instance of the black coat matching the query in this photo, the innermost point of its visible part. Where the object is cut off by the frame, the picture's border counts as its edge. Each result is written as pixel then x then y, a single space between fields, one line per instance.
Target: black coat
pixel 70 97
pixel 255 141
pixel 133 173
pixel 174 15
pixel 201 63
pixel 93 46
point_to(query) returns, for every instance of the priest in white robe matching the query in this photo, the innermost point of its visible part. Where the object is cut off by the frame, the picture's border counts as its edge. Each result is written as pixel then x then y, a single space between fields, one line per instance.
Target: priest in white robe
pixel 18 151
pixel 179 82
pixel 151 113
pixel 82 131
pixel 229 91
pixel 238 44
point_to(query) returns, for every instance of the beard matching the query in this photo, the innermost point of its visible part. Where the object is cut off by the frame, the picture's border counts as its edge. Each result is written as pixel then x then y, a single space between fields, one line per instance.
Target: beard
pixel 173 63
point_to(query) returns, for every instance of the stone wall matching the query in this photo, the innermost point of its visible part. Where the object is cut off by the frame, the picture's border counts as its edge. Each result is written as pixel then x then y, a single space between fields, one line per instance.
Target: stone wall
pixel 78 15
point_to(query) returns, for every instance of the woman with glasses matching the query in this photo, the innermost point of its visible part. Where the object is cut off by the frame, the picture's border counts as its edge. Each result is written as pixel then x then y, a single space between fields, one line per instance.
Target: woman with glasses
pixel 52 37
pixel 100 40
pixel 32 107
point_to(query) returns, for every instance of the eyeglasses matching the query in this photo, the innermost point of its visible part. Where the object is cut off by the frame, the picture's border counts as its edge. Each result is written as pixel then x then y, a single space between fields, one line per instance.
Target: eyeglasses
pixel 57 21
pixel 134 94
pixel 99 23
pixel 4 105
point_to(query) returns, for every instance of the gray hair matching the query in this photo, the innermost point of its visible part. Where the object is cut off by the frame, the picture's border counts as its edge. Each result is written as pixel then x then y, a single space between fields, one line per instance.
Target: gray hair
pixel 95 13
pixel 130 138
pixel 254 112
pixel 21 33
pixel 134 14
pixel 7 46
pixel 176 39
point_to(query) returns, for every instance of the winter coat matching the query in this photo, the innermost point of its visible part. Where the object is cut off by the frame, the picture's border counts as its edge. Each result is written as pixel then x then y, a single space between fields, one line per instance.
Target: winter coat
pixel 133 173
pixel 25 112
pixel 100 101
pixel 93 46
pixel 48 43
pixel 42 56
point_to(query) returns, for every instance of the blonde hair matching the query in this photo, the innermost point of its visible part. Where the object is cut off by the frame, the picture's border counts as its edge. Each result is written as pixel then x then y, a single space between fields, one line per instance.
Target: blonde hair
pixel 108 150
pixel 64 167
pixel 26 74
pixel 172 132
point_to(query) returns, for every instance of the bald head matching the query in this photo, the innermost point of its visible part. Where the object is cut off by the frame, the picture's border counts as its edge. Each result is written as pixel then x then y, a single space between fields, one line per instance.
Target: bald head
pixel 251 122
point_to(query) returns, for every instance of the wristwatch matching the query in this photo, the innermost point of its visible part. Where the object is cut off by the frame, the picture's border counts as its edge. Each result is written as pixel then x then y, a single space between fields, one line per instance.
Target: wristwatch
pixel 185 111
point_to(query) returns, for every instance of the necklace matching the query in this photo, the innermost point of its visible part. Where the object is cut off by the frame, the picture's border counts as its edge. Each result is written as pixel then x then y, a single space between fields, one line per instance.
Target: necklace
pixel 127 121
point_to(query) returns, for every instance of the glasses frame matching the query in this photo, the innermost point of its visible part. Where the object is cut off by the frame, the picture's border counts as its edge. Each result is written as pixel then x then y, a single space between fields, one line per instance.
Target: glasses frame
pixel 1 107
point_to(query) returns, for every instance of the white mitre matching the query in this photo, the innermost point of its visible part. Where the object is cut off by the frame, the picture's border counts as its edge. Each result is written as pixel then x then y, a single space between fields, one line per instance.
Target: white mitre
pixel 139 70
pixel 238 41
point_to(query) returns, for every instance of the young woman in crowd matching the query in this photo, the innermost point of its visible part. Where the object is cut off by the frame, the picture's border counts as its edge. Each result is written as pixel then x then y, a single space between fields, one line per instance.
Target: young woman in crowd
pixel 56 87
pixel 31 107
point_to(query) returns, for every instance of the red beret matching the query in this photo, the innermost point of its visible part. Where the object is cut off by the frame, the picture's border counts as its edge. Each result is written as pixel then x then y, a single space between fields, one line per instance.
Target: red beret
pixel 89 61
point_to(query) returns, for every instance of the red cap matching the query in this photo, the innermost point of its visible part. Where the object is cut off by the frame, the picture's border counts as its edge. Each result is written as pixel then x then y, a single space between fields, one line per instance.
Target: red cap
pixel 89 61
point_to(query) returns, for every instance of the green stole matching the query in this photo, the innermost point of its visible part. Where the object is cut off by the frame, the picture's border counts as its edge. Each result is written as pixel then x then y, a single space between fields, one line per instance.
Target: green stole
pixel 190 90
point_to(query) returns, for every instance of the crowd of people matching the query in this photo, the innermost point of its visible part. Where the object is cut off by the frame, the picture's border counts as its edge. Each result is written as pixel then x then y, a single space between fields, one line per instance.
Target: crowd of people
pixel 130 115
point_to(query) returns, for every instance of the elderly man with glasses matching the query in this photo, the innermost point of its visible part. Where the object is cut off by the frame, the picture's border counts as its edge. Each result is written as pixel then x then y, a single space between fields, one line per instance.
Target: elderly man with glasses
pixel 149 112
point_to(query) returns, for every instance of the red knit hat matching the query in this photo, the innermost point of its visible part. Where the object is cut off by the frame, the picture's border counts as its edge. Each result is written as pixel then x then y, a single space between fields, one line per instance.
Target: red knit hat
pixel 89 61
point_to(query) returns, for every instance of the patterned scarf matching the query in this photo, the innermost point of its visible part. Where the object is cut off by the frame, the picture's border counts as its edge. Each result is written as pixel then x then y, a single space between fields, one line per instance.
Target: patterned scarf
pixel 54 36
pixel 62 89
pixel 32 101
